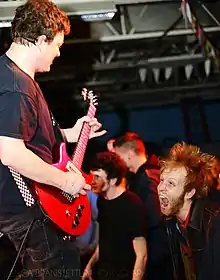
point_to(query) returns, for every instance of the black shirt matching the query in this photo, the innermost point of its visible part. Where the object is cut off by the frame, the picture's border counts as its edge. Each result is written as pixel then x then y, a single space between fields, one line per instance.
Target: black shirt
pixel 202 236
pixel 24 115
pixel 121 220
pixel 144 184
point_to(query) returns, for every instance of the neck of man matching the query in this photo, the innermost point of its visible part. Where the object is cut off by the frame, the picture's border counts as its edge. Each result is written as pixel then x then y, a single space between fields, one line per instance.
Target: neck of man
pixel 138 161
pixel 22 56
pixel 114 192
pixel 183 213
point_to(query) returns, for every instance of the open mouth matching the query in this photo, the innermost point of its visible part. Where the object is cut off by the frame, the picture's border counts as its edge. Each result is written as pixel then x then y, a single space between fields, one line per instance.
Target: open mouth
pixel 163 201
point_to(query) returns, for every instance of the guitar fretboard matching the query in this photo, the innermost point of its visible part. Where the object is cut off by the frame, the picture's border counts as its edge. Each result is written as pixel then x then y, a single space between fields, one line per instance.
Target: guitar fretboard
pixel 81 145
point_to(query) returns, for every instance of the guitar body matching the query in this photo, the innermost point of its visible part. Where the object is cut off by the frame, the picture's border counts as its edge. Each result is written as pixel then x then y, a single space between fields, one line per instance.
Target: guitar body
pixel 71 214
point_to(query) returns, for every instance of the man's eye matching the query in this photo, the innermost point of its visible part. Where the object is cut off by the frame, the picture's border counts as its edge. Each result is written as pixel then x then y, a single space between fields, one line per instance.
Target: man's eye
pixel 172 184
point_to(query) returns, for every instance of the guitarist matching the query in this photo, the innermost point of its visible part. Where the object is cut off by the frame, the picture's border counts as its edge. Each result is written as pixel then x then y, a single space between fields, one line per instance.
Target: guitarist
pixel 27 139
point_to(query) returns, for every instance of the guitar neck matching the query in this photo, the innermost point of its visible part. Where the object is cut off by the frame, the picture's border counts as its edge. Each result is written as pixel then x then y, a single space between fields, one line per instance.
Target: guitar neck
pixel 82 142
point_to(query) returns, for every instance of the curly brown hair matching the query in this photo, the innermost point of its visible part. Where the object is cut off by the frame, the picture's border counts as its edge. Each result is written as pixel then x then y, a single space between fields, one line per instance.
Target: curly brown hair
pixel 112 164
pixel 202 169
pixel 36 18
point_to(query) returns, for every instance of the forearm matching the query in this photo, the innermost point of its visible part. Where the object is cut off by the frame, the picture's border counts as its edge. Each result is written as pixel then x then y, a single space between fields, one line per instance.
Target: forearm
pixel 139 268
pixel 31 166
pixel 94 257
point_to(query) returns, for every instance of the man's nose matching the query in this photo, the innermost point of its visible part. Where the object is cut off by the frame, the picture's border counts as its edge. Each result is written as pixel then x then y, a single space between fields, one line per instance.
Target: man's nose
pixel 161 187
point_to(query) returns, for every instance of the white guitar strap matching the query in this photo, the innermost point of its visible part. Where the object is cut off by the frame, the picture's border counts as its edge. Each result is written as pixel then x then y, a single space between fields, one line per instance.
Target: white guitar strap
pixel 23 188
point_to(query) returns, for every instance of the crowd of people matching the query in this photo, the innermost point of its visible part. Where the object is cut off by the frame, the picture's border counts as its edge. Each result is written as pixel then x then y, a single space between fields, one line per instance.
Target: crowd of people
pixel 152 218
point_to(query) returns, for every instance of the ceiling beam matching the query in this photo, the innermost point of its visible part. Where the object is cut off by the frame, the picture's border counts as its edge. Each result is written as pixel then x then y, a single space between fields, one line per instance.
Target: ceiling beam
pixel 71 7
pixel 140 36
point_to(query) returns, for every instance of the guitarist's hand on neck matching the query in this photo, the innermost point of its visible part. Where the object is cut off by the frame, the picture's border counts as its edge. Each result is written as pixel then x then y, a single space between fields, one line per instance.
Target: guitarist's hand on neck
pixel 72 134
pixel 75 184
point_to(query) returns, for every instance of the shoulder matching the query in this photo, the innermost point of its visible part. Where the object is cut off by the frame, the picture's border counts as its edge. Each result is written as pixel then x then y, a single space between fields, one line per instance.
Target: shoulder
pixel 92 196
pixel 209 206
pixel 92 200
pixel 212 210
pixel 13 100
pixel 207 211
pixel 153 173
pixel 133 200
pixel 131 196
pixel 13 79
pixel 211 219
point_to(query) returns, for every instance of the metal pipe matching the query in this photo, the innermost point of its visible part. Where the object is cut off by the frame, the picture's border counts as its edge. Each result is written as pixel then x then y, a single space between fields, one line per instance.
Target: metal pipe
pixel 152 62
pixel 146 35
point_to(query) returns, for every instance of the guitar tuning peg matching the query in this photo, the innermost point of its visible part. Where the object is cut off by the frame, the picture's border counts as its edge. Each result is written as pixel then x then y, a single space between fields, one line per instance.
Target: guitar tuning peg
pixel 85 93
pixel 95 100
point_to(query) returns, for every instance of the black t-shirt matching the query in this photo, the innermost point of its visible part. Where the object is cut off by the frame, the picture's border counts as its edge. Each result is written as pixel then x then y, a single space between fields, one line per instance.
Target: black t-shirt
pixel 24 115
pixel 120 221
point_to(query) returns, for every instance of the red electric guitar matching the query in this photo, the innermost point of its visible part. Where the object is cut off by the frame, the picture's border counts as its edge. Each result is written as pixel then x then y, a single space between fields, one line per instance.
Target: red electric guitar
pixel 70 213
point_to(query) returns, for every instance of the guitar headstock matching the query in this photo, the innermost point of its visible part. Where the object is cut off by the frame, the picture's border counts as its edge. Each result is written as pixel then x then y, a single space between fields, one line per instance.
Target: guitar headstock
pixel 89 96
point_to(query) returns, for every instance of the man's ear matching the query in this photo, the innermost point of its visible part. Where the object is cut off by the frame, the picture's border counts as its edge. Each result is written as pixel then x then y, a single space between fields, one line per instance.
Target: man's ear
pixel 130 153
pixel 190 194
pixel 41 40
pixel 113 181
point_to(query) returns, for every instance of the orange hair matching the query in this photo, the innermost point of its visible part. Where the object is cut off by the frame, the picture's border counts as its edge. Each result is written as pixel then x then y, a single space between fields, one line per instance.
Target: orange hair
pixel 202 169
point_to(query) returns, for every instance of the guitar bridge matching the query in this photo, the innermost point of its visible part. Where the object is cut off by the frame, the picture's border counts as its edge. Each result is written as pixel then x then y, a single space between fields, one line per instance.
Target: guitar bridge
pixel 68 196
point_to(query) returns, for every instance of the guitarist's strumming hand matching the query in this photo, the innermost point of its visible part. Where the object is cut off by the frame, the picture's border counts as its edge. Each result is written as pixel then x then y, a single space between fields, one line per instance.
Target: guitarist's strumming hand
pixel 75 184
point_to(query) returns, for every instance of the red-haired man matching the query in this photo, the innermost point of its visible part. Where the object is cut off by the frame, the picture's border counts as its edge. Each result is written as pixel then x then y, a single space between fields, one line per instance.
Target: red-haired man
pixel 194 228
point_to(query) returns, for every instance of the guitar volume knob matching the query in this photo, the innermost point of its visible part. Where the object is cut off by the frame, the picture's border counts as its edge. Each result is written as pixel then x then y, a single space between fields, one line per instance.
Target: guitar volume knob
pixel 75 223
pixel 80 207
pixel 78 215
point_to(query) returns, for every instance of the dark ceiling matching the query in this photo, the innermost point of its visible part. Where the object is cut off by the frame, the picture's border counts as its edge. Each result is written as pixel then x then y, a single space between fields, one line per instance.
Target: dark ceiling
pixel 148 54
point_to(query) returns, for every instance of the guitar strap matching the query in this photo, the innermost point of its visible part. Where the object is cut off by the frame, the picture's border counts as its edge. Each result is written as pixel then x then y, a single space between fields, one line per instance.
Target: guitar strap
pixel 57 131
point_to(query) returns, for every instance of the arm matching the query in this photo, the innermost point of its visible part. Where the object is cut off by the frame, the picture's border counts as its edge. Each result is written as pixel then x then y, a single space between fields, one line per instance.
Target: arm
pixel 147 191
pixel 15 155
pixel 94 258
pixel 140 249
pixel 87 274
pixel 138 233
pixel 95 237
pixel 214 249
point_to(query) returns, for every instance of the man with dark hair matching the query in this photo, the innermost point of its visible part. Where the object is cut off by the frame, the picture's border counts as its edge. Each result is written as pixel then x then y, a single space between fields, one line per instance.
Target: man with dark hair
pixel 122 251
pixel 193 225
pixel 130 147
pixel 27 139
